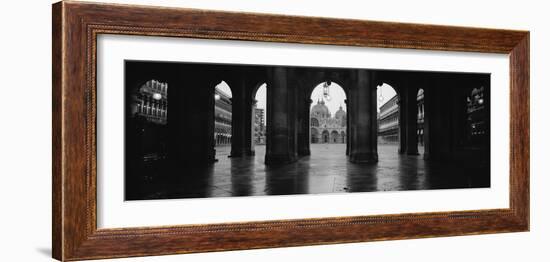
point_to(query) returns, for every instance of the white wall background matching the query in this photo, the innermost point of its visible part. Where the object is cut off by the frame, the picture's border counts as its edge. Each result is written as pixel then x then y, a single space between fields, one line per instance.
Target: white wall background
pixel 25 129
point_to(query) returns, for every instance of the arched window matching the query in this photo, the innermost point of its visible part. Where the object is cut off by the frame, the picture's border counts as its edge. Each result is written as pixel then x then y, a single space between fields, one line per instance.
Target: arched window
pixel 314 122
pixel 325 137
pixel 334 137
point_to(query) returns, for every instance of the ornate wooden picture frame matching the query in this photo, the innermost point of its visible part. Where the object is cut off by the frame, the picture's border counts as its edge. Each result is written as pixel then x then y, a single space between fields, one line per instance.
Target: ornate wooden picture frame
pixel 76 26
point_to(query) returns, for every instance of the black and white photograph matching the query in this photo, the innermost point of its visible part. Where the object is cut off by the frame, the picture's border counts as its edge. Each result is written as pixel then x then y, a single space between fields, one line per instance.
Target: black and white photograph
pixel 269 131
pixel 203 130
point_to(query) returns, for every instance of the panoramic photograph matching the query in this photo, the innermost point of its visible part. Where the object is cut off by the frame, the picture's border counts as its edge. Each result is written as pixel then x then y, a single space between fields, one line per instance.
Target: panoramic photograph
pixel 202 130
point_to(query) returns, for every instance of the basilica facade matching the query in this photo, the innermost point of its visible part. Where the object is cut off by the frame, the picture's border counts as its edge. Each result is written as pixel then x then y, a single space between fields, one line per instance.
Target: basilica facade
pixel 324 127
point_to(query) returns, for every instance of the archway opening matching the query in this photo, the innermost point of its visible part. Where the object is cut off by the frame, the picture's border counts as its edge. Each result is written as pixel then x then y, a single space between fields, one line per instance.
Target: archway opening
pixel 325 137
pixel 259 125
pixel 387 119
pixel 335 137
pixel 420 120
pixel 222 119
pixel 328 118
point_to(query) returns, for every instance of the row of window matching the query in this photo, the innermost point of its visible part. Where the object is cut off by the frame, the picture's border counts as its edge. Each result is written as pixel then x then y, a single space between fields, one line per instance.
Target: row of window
pixel 157 85
pixel 152 109
pixel 390 120
pixel 420 111
pixel 225 106
pixel 222 120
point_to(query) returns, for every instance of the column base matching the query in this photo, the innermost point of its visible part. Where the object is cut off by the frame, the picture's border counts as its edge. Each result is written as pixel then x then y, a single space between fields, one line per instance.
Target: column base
pixel 304 152
pixel 279 159
pixel 241 153
pixel 363 158
pixel 413 153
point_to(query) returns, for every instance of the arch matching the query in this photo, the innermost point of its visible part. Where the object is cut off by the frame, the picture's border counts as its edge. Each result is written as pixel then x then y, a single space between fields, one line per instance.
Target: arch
pixel 314 122
pixel 336 92
pixel 225 88
pixel 313 80
pixel 384 93
pixel 259 90
pixel 334 137
pixel 223 116
pixel 259 114
pixel 325 136
pixel 388 114
pixel 327 98
pixel 343 137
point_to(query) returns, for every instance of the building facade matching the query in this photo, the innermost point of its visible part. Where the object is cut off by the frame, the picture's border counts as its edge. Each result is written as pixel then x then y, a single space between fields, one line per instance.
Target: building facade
pixel 476 118
pixel 150 102
pixel 388 120
pixel 259 126
pixel 327 129
pixel 474 136
pixel 222 118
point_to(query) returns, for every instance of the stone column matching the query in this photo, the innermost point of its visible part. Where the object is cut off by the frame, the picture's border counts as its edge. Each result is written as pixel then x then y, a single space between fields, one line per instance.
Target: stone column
pixel 459 116
pixel 241 119
pixel 191 122
pixel 304 127
pixel 363 122
pixel 428 105
pixel 280 147
pixel 293 111
pixel 437 120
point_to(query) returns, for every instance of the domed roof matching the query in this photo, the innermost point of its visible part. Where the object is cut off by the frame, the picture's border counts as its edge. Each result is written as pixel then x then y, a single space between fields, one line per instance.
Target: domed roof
pixel 320 109
pixel 340 113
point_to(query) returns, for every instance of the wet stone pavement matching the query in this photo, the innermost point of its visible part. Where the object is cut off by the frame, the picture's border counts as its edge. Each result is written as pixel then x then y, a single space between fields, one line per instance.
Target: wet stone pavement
pixel 327 170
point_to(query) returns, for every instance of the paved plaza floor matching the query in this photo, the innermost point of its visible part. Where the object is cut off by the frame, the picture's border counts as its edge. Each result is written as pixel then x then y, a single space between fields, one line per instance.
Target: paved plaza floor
pixel 327 170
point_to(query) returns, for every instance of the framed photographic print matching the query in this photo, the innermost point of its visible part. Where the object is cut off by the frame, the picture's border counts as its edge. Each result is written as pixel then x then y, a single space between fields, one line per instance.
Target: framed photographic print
pixel 182 130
